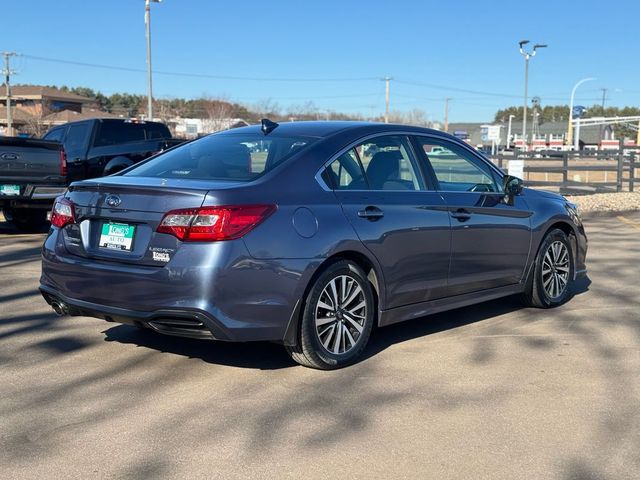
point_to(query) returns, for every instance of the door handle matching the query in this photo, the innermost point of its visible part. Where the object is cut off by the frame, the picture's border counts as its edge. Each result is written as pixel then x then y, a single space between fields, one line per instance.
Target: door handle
pixel 461 215
pixel 371 213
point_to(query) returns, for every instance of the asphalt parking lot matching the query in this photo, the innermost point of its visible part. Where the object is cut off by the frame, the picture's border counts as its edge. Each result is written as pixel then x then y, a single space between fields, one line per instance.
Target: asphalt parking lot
pixel 491 391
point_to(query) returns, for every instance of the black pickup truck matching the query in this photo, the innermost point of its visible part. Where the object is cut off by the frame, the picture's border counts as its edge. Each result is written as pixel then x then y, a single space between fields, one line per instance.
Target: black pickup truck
pixel 34 172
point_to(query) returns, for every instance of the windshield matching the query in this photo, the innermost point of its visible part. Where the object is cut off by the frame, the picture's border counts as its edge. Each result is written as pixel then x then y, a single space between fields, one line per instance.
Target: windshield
pixel 223 157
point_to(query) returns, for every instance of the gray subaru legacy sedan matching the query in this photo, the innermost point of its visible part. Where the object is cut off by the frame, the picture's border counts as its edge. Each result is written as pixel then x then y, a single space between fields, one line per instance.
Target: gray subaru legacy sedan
pixel 307 234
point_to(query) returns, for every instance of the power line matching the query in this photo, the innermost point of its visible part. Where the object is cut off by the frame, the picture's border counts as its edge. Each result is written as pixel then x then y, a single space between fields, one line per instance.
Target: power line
pixel 197 75
pixel 454 89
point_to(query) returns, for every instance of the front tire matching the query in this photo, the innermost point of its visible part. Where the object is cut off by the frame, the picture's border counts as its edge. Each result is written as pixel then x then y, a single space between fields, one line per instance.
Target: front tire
pixel 337 319
pixel 552 274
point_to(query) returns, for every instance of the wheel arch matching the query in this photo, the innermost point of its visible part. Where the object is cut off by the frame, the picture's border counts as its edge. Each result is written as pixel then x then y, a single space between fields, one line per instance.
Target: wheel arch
pixel 372 273
pixel 563 225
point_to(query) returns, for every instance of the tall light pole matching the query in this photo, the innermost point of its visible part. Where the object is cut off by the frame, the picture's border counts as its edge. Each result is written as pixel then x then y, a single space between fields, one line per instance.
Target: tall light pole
pixel 147 23
pixel 386 81
pixel 446 114
pixel 573 94
pixel 527 56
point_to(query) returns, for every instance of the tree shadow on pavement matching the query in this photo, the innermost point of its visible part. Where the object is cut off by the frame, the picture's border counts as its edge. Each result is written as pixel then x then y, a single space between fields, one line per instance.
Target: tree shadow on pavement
pixel 270 356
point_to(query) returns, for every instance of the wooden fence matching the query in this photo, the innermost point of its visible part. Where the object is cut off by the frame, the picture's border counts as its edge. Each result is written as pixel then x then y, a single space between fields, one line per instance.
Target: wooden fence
pixel 578 172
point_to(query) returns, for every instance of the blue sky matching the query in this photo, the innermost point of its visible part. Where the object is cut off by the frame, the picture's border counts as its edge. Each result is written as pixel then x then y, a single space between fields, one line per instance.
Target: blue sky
pixel 334 53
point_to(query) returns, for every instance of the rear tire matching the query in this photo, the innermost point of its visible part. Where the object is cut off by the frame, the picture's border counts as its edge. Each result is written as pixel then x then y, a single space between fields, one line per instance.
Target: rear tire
pixel 26 219
pixel 552 274
pixel 337 319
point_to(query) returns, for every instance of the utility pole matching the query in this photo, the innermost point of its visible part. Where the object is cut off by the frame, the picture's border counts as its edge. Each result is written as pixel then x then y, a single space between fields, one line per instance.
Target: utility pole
pixel 386 98
pixel 7 83
pixel 446 114
pixel 604 98
pixel 147 22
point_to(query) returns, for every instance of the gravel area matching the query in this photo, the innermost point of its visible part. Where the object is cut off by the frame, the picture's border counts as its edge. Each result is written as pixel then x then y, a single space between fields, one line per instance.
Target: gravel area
pixel 607 202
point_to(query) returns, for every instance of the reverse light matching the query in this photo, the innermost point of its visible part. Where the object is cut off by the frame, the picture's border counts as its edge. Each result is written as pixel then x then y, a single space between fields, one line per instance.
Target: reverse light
pixel 210 224
pixel 63 213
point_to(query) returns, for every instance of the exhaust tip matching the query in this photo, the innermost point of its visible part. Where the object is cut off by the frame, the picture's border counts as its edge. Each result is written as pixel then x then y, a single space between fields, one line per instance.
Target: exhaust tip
pixel 59 308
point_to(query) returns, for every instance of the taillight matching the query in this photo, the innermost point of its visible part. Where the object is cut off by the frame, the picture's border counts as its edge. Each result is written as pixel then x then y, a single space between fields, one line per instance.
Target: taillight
pixel 63 212
pixel 209 224
pixel 63 163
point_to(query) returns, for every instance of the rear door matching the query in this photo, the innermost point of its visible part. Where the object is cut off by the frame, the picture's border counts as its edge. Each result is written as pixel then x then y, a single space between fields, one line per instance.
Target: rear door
pixel 491 236
pixel 398 217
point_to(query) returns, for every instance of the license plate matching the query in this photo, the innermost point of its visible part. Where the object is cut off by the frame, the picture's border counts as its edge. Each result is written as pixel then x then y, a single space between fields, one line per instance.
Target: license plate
pixel 10 190
pixel 117 236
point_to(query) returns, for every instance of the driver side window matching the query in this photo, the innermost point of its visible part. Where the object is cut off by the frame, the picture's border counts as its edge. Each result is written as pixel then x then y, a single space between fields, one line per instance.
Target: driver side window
pixel 456 169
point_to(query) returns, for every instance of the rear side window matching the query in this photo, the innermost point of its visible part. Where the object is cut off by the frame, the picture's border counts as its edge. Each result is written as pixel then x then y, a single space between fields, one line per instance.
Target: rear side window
pixel 346 173
pixel 114 133
pixel 381 163
pixel 223 157
pixel 76 137
pixel 156 131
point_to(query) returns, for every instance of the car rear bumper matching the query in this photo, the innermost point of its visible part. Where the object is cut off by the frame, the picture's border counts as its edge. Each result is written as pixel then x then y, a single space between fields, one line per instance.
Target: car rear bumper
pixel 32 196
pixel 214 291
pixel 178 322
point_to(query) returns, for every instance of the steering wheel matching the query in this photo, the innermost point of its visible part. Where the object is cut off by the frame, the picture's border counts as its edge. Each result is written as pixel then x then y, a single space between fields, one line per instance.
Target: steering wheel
pixel 480 187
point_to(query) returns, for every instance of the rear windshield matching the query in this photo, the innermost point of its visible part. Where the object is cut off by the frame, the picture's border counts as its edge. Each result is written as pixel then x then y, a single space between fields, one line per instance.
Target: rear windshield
pixel 223 157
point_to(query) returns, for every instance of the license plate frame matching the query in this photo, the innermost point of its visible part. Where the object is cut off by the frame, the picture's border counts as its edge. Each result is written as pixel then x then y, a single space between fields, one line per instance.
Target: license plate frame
pixel 117 236
pixel 10 190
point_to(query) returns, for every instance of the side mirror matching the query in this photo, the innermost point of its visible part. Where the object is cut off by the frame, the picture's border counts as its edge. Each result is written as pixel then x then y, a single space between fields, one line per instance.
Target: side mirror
pixel 512 185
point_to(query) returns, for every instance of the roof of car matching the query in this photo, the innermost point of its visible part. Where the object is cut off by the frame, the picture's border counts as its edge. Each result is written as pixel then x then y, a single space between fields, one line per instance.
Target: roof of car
pixel 329 128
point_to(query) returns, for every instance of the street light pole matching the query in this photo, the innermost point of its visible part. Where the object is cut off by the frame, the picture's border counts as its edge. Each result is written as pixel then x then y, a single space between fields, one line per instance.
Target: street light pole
pixel 386 80
pixel 527 56
pixel 147 22
pixel 573 93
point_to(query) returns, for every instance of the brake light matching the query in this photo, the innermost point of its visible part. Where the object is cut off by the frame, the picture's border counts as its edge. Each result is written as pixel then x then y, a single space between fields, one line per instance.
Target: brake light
pixel 63 163
pixel 210 224
pixel 63 213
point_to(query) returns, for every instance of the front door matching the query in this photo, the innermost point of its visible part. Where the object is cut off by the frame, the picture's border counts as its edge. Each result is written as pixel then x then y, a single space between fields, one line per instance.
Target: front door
pixel 490 235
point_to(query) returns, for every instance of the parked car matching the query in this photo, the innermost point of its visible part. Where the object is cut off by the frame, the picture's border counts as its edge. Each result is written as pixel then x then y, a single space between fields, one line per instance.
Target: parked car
pixel 310 245
pixel 33 173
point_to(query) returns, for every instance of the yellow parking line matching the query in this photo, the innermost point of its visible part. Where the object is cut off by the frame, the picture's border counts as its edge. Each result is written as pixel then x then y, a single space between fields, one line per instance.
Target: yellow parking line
pixel 628 222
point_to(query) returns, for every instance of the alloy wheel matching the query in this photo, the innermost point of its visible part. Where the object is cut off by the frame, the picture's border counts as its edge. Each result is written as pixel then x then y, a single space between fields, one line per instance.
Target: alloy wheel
pixel 555 269
pixel 340 314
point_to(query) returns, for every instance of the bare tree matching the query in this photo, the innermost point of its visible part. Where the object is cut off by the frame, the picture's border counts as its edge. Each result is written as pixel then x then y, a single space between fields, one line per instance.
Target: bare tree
pixel 413 117
pixel 267 108
pixel 34 123
pixel 217 114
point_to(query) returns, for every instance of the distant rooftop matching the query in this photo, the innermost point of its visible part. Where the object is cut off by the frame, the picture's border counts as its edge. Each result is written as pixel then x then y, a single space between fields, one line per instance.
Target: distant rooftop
pixel 36 92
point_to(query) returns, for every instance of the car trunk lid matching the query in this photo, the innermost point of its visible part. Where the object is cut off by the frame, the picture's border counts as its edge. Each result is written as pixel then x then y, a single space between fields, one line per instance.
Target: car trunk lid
pixel 117 218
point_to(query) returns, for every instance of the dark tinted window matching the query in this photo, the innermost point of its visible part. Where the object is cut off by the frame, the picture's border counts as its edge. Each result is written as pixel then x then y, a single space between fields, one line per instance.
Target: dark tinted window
pixel 76 137
pixel 55 135
pixel 156 131
pixel 114 133
pixel 223 157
